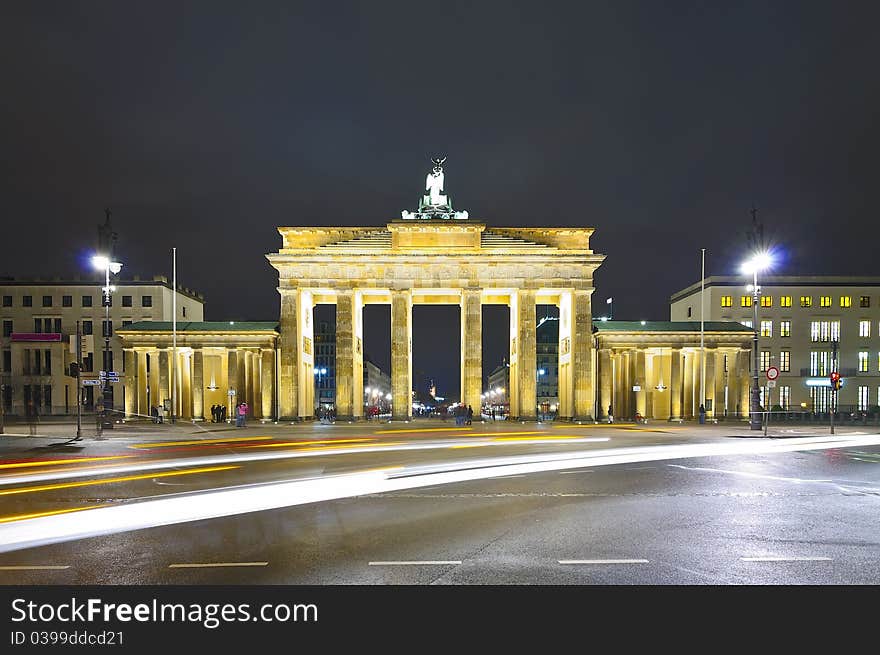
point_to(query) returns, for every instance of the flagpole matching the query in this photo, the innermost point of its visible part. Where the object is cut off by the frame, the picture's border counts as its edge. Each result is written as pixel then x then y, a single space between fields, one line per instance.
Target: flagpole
pixel 173 334
pixel 702 339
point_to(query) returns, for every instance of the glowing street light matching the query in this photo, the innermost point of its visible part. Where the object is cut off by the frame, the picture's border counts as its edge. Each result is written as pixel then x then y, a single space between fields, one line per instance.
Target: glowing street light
pixel 103 263
pixel 759 262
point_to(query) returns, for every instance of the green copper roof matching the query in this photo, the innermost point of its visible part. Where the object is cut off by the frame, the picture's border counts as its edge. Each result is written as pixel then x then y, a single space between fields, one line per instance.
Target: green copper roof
pixel 669 326
pixel 202 326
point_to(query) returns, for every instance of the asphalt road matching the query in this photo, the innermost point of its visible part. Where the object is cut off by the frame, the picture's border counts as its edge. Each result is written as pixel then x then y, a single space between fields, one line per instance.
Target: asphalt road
pixel 631 510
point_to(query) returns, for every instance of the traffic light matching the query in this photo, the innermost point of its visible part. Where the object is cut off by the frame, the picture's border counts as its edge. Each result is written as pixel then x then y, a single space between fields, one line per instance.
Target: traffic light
pixel 835 380
pixel 73 370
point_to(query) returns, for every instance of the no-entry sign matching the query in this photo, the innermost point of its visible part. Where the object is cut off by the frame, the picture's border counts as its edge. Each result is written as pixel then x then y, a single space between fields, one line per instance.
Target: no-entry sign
pixel 772 373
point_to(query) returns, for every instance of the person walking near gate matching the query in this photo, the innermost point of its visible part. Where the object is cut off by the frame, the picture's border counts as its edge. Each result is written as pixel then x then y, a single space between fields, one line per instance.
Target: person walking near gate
pixel 470 414
pixel 242 415
pixel 610 415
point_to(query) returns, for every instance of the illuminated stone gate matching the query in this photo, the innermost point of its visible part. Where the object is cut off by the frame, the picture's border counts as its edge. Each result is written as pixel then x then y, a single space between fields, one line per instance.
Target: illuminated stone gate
pixel 435 256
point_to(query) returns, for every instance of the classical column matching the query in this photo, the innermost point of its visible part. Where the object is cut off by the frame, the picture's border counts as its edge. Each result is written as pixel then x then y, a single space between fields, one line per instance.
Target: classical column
pixel 401 354
pixel 710 382
pixel 641 381
pixel 605 382
pixel 185 393
pixel 143 384
pixel 744 365
pixel 512 390
pixel 471 348
pixel 267 377
pixel 131 382
pixel 346 400
pixel 566 368
pixel 164 379
pixel 582 360
pixel 675 386
pixel 290 356
pixel 198 385
pixel 256 390
pixel 154 380
pixel 648 388
pixel 688 403
pixel 305 307
pixel 526 355
pixel 232 380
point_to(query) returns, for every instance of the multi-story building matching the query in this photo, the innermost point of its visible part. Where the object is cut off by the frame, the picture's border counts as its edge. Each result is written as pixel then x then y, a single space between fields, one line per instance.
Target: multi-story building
pixel 325 360
pixel 802 321
pixel 39 317
pixel 547 364
pixel 377 386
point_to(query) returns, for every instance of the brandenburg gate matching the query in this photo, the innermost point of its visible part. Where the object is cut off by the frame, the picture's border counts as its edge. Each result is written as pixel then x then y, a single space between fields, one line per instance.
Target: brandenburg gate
pixel 435 256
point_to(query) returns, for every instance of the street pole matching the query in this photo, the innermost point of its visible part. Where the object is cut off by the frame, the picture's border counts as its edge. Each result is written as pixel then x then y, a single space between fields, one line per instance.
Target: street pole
pixel 173 334
pixel 702 339
pixel 106 386
pixel 79 381
pixel 755 422
pixel 833 390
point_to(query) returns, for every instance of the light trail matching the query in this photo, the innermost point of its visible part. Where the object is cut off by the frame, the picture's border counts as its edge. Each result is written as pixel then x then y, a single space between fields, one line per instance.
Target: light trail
pixel 58 462
pixel 129 478
pixel 163 511
pixel 191 442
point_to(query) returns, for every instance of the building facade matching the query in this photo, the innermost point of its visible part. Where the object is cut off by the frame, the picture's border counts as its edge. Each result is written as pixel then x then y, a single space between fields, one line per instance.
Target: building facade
pixel 39 319
pixel 802 321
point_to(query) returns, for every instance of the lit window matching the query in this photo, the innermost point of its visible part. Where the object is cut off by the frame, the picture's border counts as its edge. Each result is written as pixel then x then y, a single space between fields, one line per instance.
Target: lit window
pixel 766 328
pixel 725 363
pixel 745 301
pixel 864 328
pixel 747 322
pixel 823 363
pixel 785 361
pixel 814 362
pixel 863 361
pixel 785 397
pixel 766 301
pixel 765 360
pixel 784 328
pixel 864 301
pixel 835 330
pixel 785 301
pixel 823 331
pixel 814 331
pixel 824 301
pixel 846 301
pixel 726 301
pixel 863 398
pixel 806 301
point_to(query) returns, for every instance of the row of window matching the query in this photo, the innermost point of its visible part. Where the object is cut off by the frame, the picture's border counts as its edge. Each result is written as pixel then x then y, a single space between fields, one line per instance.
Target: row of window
pixel 820 362
pixel 820 397
pixel 819 330
pixel 806 301
pixel 54 325
pixel 67 301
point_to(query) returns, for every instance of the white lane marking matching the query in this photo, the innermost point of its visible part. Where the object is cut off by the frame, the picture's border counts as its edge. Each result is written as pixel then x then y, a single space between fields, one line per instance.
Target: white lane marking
pixel 33 568
pixel 785 559
pixel 746 474
pixel 208 565
pixel 573 472
pixel 603 561
pixel 416 563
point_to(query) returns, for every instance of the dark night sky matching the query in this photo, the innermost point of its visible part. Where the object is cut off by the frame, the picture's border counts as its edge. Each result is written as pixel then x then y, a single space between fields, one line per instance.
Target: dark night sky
pixel 206 125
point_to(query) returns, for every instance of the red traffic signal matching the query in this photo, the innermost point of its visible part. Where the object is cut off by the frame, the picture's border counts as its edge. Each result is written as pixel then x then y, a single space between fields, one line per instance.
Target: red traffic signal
pixel 835 380
pixel 835 376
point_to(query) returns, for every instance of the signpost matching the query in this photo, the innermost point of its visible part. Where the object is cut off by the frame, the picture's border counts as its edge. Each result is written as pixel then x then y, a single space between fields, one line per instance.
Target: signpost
pixel 772 374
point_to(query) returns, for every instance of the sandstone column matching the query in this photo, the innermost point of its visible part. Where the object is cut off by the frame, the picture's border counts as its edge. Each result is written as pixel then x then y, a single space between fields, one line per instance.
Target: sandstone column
pixel 746 381
pixel 349 355
pixel 582 360
pixel 164 379
pixel 198 385
pixel 710 382
pixel 675 386
pixel 143 384
pixel 566 367
pixel 471 348
pixel 688 404
pixel 306 355
pixel 131 382
pixel 605 382
pixel 267 377
pixel 256 388
pixel 526 355
pixel 232 366
pixel 512 390
pixel 154 380
pixel 290 356
pixel 641 381
pixel 401 354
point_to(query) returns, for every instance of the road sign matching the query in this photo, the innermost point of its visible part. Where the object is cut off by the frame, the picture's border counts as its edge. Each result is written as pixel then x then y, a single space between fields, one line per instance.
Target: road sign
pixel 231 392
pixel 113 375
pixel 771 384
pixel 91 383
pixel 637 387
pixel 772 373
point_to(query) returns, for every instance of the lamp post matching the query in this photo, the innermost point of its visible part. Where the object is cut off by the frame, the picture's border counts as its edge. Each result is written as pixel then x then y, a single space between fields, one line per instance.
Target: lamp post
pixel 610 304
pixel 103 263
pixel 538 375
pixel 758 262
pixel 320 372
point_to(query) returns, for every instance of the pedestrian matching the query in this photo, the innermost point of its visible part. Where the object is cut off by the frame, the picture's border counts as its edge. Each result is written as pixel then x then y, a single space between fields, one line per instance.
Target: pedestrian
pixel 702 414
pixel 242 414
pixel 160 414
pixel 610 415
pixel 470 414
pixel 223 413
pixel 154 414
pixel 31 412
pixel 213 413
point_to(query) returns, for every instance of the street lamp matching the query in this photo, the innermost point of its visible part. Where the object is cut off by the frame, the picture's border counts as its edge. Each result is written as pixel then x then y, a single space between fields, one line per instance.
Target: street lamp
pixel 320 372
pixel 758 262
pixel 610 304
pixel 540 372
pixel 103 263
